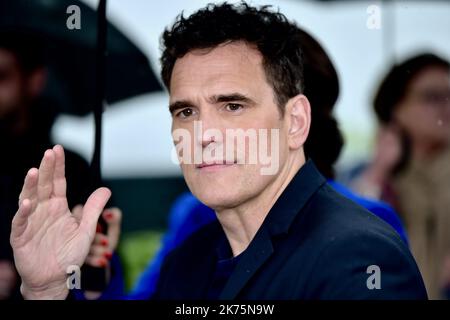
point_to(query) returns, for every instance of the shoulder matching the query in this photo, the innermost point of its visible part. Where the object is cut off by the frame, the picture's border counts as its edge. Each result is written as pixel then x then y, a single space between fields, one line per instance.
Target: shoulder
pixel 366 265
pixel 334 216
pixel 353 243
pixel 379 208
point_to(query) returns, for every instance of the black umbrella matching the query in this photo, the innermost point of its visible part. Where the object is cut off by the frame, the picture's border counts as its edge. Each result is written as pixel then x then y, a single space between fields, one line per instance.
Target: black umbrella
pixel 87 66
pixel 71 54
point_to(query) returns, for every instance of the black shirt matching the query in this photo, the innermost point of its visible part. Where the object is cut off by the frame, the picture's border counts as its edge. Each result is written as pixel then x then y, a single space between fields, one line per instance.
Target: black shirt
pixel 225 266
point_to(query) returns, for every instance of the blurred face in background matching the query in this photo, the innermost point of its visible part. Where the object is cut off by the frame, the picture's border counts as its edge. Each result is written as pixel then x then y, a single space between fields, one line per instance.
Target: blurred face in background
pixel 17 87
pixel 12 84
pixel 225 88
pixel 425 110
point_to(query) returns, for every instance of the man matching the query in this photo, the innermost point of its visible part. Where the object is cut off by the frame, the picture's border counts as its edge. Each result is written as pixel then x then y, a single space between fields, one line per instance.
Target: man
pixel 282 232
pixel 188 214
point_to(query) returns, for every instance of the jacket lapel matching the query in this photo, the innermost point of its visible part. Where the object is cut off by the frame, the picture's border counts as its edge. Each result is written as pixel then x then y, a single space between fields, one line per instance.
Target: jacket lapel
pixel 286 209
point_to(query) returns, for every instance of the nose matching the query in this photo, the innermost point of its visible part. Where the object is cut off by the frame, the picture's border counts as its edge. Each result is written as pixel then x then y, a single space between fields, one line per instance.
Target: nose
pixel 207 141
pixel 209 128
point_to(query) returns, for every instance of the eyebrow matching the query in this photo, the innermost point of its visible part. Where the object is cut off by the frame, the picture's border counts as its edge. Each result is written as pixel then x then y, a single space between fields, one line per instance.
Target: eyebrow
pixel 179 105
pixel 238 97
pixel 231 97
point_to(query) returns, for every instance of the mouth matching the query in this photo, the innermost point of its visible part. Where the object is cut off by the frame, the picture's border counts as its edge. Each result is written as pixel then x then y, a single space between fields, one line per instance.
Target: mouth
pixel 214 166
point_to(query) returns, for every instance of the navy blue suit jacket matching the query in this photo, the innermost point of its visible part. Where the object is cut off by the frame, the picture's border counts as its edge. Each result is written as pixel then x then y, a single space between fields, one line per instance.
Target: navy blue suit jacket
pixel 313 244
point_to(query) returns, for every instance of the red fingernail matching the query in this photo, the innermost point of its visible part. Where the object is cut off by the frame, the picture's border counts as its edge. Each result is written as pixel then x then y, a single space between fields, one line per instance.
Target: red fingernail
pixel 99 229
pixel 104 242
pixel 108 215
pixel 108 255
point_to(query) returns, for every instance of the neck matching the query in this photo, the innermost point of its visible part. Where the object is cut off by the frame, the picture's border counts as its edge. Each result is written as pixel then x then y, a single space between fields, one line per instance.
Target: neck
pixel 241 223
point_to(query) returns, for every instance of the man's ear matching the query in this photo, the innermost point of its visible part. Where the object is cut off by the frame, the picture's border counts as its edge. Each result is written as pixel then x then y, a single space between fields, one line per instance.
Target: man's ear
pixel 37 81
pixel 298 117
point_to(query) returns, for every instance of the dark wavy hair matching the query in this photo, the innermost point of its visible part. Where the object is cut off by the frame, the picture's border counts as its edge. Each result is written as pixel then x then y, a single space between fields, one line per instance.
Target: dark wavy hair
pixel 288 68
pixel 393 90
pixel 395 84
pixel 276 38
pixel 325 141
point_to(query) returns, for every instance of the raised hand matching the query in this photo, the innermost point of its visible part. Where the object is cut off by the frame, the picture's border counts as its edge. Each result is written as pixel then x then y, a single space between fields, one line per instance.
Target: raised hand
pixel 45 236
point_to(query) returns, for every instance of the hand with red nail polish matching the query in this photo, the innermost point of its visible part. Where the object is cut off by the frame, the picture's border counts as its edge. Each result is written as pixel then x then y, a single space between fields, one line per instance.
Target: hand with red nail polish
pixel 103 246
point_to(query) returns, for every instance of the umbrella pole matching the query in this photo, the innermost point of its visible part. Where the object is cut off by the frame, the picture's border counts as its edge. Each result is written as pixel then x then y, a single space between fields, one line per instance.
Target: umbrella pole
pixel 94 279
pixel 100 92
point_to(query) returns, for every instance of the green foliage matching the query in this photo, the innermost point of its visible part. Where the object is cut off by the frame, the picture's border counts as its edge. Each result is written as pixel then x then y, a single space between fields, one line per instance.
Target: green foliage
pixel 136 249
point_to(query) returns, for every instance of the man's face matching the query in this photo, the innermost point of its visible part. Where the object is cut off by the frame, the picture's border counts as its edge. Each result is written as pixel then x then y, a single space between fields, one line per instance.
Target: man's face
pixel 225 88
pixel 11 84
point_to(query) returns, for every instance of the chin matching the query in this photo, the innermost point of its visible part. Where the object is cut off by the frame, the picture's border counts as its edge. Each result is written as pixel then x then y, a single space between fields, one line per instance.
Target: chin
pixel 217 196
pixel 216 199
pixel 225 188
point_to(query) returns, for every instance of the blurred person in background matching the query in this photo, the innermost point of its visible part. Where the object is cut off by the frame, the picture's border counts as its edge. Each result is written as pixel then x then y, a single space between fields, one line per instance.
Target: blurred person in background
pixel 411 163
pixel 26 118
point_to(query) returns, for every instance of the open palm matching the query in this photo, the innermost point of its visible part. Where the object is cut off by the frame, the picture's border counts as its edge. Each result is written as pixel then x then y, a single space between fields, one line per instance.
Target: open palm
pixel 46 237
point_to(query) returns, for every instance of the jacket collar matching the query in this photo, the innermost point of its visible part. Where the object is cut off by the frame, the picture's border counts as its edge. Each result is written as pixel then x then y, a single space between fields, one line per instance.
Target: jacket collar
pixel 279 219
pixel 304 184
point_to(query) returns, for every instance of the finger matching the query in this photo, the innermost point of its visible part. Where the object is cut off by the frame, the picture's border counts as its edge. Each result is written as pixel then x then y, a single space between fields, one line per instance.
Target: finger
pixel 45 180
pixel 92 210
pixel 20 220
pixel 113 218
pixel 29 188
pixel 96 262
pixel 100 252
pixel 59 177
pixel 77 212
pixel 101 240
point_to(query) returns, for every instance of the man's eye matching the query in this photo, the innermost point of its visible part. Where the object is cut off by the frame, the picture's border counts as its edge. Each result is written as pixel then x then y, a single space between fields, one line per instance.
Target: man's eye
pixel 233 107
pixel 185 113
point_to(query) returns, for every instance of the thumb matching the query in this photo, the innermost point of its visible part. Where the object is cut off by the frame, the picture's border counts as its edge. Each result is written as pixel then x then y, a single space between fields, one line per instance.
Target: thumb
pixel 113 218
pixel 92 210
